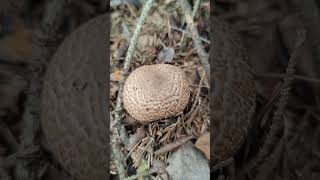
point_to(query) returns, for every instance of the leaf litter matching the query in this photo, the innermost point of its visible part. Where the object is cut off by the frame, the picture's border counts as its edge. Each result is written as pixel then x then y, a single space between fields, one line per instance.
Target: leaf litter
pixel 160 43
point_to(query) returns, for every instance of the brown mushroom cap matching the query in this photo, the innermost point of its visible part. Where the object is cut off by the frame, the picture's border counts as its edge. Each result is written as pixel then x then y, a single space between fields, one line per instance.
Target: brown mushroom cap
pixel 153 92
pixel 73 101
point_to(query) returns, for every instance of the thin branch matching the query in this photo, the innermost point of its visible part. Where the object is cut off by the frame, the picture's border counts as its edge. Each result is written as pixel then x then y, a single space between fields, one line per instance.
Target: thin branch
pixel 222 164
pixel 116 149
pixel 196 101
pixel 188 33
pixel 53 17
pixel 195 36
pixel 195 8
pixel 311 17
pixel 277 121
pixel 7 135
pixel 295 77
pixel 173 145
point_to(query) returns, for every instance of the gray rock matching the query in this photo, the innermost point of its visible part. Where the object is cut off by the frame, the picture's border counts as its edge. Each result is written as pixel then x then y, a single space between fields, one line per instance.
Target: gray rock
pixel 188 163
pixel 166 55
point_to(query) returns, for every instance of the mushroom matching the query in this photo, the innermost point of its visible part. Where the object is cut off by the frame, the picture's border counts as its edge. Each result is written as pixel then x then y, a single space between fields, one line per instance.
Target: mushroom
pixel 154 92
pixel 73 101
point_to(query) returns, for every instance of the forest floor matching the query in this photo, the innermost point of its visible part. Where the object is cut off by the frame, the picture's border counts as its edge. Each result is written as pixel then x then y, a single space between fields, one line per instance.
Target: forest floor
pixel 269 30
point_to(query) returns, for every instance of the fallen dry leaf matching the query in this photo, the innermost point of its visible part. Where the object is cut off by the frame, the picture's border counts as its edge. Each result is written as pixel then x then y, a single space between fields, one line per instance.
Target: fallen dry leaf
pixel 116 75
pixel 203 144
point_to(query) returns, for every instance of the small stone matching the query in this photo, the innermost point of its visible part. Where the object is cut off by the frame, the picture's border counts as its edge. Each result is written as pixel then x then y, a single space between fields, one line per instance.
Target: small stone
pixel 188 163
pixel 166 55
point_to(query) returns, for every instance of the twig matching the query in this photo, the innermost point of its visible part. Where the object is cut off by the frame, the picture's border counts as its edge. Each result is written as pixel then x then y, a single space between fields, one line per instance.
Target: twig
pixel 119 157
pixel 309 9
pixel 194 12
pixel 188 33
pixel 202 86
pixel 53 16
pixel 143 146
pixel 196 99
pixel 311 17
pixel 199 88
pixel 195 8
pixel 7 135
pixel 115 3
pixel 272 163
pixel 295 77
pixel 173 145
pixel 222 164
pixel 195 36
pixel 277 121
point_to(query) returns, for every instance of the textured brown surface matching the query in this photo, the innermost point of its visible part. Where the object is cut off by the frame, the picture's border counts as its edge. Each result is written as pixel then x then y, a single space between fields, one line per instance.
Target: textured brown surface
pixel 233 92
pixel 154 92
pixel 74 106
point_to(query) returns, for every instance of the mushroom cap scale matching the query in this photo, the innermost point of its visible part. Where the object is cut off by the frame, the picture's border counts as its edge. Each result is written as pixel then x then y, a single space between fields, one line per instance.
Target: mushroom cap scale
pixel 154 92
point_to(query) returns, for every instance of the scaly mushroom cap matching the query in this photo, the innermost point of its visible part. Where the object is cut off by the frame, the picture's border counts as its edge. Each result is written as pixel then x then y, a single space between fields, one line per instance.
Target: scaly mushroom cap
pixel 73 105
pixel 154 92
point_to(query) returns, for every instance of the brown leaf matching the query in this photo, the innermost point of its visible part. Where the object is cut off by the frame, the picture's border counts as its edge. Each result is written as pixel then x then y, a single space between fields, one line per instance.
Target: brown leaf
pixel 116 75
pixel 203 144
